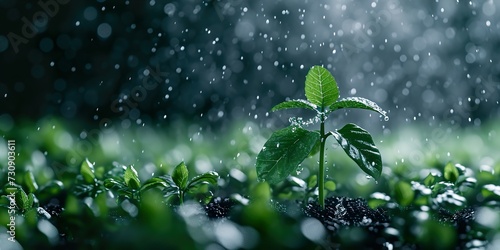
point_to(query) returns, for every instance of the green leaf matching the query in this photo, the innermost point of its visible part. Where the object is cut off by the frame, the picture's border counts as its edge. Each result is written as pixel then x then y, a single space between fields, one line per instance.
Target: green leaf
pixel 168 180
pixel 87 171
pixel 359 103
pixel 114 184
pixel 260 192
pixel 205 198
pixel 451 173
pixel 29 179
pixel 170 191
pixel 206 178
pixel 312 181
pixel 321 88
pixel 441 187
pixel 295 104
pixel 330 186
pixel 180 176
pixel 283 152
pixel 22 200
pixel 316 148
pixel 31 200
pixel 359 146
pixel 403 193
pixel 153 183
pixel 131 178
pixel 429 180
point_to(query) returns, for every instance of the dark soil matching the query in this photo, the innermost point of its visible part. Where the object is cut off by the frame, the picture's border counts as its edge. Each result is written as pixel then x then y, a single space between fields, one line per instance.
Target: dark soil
pixel 461 221
pixel 354 225
pixel 219 208
pixel 342 211
pixel 53 208
pixel 351 223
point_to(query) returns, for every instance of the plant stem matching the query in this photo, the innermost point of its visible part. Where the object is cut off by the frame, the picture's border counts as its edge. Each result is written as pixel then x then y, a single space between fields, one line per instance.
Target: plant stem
pixel 321 175
pixel 181 197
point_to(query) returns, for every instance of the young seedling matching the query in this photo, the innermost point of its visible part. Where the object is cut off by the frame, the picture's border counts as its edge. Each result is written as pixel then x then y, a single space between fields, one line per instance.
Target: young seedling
pixel 288 147
pixel 178 185
pixel 127 186
pixel 87 183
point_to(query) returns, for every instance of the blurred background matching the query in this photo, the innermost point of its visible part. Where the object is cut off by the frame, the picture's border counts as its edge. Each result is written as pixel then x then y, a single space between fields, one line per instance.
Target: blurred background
pixel 153 62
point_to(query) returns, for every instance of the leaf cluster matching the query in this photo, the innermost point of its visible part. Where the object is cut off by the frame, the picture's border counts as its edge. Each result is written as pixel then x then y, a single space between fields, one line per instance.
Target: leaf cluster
pixel 125 182
pixel 288 147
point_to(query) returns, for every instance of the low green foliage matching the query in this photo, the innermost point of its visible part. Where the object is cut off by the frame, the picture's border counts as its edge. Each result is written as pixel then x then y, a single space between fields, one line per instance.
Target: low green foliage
pixel 125 183
pixel 100 204
pixel 288 147
pixel 178 185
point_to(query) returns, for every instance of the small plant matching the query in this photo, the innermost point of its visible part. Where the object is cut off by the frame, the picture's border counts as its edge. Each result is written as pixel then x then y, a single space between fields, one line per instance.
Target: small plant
pixel 178 185
pixel 88 183
pixel 288 147
pixel 126 185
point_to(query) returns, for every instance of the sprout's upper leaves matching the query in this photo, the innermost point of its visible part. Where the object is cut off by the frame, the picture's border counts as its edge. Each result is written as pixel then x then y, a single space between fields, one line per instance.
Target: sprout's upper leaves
pixel 283 152
pixel 359 103
pixel 295 104
pixel 359 146
pixel 180 176
pixel 131 178
pixel 87 171
pixel 321 88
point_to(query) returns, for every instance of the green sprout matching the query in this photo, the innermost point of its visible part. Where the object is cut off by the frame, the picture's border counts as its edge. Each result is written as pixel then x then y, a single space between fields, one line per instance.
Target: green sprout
pixel 288 147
